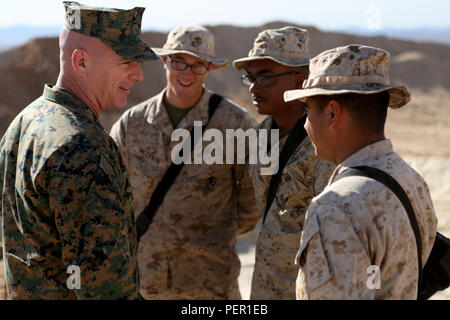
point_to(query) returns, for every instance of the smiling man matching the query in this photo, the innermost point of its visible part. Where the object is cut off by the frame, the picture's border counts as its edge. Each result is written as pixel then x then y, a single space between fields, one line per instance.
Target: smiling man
pixel 68 226
pixel 187 249
pixel 279 62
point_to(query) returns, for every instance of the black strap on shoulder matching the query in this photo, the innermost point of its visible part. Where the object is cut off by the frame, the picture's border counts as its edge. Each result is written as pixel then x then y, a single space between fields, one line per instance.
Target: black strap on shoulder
pixel 296 136
pixel 395 187
pixel 146 217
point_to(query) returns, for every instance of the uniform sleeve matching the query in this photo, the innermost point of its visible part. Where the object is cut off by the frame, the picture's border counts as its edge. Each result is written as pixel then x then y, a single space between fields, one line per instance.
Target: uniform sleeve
pixel 247 210
pixel 94 225
pixel 118 132
pixel 333 261
pixel 248 214
pixel 303 179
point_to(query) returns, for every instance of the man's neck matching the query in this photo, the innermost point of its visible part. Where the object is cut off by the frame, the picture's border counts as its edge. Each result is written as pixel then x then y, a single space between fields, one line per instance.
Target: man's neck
pixel 289 117
pixel 348 147
pixel 182 102
pixel 77 90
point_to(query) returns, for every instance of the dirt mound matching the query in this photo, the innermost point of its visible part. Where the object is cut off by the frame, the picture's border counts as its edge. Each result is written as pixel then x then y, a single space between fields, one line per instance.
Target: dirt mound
pixel 27 68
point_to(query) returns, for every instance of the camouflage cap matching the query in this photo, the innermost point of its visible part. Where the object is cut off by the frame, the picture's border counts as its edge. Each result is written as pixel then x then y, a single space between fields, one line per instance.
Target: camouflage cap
pixel 117 28
pixel 351 69
pixel 194 40
pixel 287 46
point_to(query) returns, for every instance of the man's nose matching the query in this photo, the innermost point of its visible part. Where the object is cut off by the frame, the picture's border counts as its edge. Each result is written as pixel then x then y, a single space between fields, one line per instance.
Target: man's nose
pixel 188 71
pixel 137 74
pixel 254 88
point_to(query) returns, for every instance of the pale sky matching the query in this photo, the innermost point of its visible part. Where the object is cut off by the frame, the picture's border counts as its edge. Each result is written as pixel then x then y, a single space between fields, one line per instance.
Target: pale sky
pixel 326 14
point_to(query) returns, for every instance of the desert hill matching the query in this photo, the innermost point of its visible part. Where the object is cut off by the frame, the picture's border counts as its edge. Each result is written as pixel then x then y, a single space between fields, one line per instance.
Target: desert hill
pixel 25 69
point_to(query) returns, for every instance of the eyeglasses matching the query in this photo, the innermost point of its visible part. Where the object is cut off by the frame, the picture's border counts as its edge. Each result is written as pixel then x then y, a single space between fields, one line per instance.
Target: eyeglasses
pixel 195 68
pixel 262 81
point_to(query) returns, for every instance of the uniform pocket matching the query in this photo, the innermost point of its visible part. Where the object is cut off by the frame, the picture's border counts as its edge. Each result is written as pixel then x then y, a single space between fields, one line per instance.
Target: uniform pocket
pixel 311 257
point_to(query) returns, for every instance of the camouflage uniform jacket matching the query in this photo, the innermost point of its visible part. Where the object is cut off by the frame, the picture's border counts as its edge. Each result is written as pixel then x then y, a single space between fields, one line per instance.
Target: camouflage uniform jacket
pixel 357 222
pixel 304 176
pixel 189 251
pixel 66 200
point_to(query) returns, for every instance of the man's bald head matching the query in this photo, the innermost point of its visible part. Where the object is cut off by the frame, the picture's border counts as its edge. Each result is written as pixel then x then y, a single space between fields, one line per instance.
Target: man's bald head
pixel 94 72
pixel 70 41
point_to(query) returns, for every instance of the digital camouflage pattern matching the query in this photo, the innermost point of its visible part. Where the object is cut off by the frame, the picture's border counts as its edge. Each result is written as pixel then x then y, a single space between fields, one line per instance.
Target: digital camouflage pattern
pixel 189 250
pixel 351 69
pixel 194 40
pixel 119 29
pixel 357 222
pixel 304 176
pixel 287 46
pixel 66 200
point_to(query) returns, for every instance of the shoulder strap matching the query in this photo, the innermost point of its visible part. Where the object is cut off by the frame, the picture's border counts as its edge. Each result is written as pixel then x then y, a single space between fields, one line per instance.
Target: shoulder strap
pixel 146 217
pixel 395 187
pixel 294 139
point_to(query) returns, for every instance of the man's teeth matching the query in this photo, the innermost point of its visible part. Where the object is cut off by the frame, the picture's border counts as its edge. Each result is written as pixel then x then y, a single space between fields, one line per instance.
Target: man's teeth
pixel 185 83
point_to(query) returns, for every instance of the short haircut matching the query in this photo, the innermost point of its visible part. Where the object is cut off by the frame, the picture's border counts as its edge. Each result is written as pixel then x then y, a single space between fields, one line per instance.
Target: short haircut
pixel 368 111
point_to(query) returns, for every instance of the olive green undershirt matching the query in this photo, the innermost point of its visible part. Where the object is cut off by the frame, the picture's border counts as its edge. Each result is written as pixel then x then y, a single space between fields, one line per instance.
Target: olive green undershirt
pixel 175 114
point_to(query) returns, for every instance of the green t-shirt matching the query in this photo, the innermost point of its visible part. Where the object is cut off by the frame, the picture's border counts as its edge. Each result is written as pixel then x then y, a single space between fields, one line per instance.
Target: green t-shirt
pixel 175 114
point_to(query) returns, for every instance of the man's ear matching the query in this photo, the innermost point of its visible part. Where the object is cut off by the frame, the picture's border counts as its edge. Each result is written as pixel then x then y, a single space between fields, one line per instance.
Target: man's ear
pixel 80 62
pixel 165 61
pixel 210 67
pixel 299 79
pixel 334 113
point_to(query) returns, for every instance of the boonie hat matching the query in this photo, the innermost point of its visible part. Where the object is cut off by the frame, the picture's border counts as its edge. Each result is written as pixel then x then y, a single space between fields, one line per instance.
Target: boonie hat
pixel 287 46
pixel 193 40
pixel 351 69
pixel 119 29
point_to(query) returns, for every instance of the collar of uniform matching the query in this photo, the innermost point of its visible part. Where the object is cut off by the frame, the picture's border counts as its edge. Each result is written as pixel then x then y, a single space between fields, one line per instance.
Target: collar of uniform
pixel 158 116
pixel 67 99
pixel 266 123
pixel 199 113
pixel 369 151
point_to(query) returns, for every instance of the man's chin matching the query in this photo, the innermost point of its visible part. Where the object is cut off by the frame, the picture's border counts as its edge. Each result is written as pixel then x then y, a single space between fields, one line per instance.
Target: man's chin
pixel 120 105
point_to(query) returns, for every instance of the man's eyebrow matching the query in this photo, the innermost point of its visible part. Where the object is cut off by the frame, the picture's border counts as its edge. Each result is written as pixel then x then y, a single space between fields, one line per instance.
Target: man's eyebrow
pixel 178 58
pixel 263 71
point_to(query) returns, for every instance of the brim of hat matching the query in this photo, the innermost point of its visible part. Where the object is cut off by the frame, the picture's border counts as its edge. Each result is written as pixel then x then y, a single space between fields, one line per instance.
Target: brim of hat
pixel 399 95
pixel 217 62
pixel 242 63
pixel 140 51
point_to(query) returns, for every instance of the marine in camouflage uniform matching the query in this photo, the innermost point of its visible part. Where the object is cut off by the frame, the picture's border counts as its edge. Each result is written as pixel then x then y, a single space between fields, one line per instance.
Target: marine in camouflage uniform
pixel 66 199
pixel 189 250
pixel 303 177
pixel 357 222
